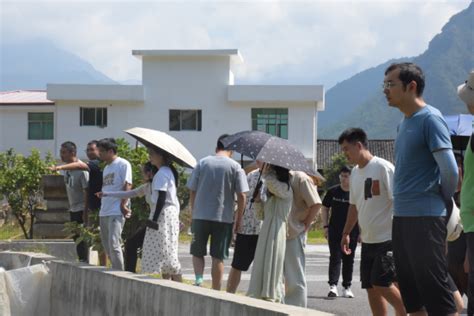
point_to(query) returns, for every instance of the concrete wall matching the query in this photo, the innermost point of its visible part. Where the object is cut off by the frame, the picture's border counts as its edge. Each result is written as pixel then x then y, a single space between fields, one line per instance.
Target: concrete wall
pixel 80 289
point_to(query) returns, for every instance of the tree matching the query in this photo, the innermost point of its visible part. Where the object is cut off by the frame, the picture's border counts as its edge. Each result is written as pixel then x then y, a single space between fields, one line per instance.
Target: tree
pixel 20 185
pixel 332 173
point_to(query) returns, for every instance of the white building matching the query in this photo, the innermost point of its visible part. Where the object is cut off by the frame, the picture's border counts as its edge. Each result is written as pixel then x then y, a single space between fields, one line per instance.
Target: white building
pixel 189 94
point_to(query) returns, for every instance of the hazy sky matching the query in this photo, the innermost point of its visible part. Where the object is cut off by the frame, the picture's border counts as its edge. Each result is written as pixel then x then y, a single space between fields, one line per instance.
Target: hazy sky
pixel 281 41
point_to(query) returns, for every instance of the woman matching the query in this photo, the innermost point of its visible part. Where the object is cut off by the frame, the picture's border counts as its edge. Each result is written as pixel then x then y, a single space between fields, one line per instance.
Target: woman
pixel 266 281
pixel 160 248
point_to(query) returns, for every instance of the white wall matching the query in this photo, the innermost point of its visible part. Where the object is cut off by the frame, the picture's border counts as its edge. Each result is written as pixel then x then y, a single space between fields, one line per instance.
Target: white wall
pixel 14 129
pixel 120 116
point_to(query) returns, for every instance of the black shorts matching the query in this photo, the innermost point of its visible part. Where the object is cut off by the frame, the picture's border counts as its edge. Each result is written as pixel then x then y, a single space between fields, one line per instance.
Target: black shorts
pixel 419 249
pixel 244 251
pixel 377 266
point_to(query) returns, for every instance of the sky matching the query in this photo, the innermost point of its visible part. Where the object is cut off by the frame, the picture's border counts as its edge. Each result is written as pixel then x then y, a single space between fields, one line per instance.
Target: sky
pixel 297 42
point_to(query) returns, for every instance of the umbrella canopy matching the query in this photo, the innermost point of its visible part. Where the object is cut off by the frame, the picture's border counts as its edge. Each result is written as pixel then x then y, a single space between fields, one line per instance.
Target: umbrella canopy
pixel 165 142
pixel 270 149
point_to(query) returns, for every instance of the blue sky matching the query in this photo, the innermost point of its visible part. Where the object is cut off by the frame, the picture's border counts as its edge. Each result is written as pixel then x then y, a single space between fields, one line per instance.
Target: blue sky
pixel 299 42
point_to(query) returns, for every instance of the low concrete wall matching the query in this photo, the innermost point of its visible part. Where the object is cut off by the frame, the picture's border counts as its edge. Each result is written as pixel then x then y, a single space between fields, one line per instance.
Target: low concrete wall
pixel 81 289
pixel 64 249
pixel 10 260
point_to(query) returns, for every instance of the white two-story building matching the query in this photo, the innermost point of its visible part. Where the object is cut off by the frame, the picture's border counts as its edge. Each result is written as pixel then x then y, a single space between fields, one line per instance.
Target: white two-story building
pixel 189 94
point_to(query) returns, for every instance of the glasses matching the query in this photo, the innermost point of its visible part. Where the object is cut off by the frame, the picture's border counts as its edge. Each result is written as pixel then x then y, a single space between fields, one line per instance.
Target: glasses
pixel 388 85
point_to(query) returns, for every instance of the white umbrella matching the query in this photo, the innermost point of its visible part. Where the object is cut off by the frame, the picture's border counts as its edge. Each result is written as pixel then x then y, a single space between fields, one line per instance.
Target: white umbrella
pixel 165 142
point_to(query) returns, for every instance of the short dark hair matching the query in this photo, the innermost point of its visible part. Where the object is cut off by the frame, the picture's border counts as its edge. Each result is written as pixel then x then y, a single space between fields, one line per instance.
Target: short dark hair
pixel 108 144
pixel 220 145
pixel 93 142
pixel 345 169
pixel 353 135
pixel 409 72
pixel 69 146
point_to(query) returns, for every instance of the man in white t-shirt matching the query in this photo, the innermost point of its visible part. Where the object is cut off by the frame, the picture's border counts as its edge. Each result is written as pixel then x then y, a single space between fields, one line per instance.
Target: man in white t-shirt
pixel 370 204
pixel 117 176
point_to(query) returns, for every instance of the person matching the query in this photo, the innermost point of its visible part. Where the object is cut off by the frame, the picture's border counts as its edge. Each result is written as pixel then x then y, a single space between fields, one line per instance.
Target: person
pixel 160 247
pixel 424 181
pixel 266 280
pixel 466 93
pixel 213 184
pixel 306 205
pixel 334 215
pixel 136 240
pixel 370 204
pixel 76 182
pixel 92 203
pixel 117 175
pixel 247 235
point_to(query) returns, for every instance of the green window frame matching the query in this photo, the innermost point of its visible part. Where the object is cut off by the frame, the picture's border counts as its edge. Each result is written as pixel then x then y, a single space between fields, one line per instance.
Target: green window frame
pixel 185 120
pixel 40 125
pixel 273 121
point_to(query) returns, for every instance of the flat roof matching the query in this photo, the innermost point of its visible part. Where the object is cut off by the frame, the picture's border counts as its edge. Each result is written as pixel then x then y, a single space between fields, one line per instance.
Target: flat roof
pixel 90 92
pixel 24 97
pixel 276 93
pixel 234 54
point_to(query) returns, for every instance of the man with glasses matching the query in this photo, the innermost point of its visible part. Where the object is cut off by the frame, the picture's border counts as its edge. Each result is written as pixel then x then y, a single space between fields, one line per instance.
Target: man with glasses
pixel 425 179
pixel 334 215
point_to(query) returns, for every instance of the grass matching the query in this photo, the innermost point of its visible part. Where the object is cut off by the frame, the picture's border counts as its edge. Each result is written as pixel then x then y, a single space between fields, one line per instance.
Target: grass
pixel 316 237
pixel 11 230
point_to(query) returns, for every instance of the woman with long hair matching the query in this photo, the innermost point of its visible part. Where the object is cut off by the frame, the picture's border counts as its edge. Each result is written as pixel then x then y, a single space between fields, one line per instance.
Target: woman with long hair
pixel 266 281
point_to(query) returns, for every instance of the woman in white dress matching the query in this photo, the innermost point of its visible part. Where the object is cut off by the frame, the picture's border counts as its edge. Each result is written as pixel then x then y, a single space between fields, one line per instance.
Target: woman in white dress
pixel 160 248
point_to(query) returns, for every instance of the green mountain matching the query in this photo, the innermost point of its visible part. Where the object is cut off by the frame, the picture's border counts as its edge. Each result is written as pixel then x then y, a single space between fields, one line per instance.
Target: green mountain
pixel 31 64
pixel 446 63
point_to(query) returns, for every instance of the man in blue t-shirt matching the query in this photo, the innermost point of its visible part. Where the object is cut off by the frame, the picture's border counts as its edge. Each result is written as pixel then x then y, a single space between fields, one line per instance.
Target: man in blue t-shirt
pixel 425 179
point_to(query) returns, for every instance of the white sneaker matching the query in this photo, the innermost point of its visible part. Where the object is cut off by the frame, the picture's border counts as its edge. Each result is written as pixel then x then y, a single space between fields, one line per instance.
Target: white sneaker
pixel 332 291
pixel 347 292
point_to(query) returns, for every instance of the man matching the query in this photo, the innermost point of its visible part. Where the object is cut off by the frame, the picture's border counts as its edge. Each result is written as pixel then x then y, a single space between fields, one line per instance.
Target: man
pixel 466 93
pixel 306 205
pixel 213 184
pixel 336 201
pixel 370 204
pixel 92 203
pixel 76 187
pixel 425 179
pixel 117 176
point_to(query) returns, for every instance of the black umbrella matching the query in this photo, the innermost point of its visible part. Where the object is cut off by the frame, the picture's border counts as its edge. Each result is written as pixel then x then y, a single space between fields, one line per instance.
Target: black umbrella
pixel 270 149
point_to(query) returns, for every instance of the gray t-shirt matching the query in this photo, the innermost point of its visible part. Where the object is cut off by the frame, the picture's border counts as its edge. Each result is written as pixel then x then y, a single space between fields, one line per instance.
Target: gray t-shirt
pixel 76 182
pixel 215 180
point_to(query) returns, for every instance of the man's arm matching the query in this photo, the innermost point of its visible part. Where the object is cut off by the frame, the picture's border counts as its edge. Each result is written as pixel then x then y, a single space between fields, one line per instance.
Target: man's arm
pixel 448 170
pixel 85 214
pixel 351 220
pixel 192 197
pixel 325 219
pixel 241 200
pixel 77 165
pixel 312 213
pixel 123 203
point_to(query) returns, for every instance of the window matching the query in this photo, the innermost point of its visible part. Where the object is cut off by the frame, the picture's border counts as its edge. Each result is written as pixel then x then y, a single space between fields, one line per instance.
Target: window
pixel 185 120
pixel 271 121
pixel 40 126
pixel 93 117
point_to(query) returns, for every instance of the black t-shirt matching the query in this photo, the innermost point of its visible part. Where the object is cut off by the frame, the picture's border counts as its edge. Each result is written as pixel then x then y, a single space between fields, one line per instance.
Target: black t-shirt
pixel 338 201
pixel 95 184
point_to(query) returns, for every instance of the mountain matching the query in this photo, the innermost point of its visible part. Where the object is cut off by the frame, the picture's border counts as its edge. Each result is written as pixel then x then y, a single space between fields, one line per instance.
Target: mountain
pixel 359 101
pixel 34 63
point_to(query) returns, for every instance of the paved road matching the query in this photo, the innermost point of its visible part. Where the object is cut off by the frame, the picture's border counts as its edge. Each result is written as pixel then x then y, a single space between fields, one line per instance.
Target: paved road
pixel 317 260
